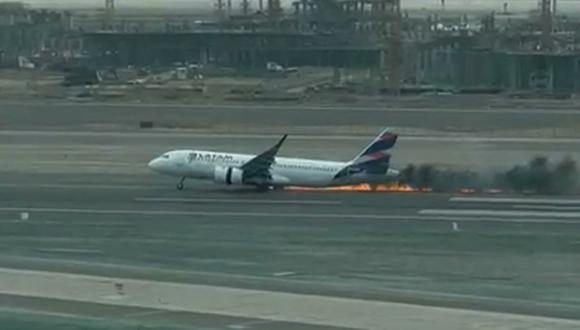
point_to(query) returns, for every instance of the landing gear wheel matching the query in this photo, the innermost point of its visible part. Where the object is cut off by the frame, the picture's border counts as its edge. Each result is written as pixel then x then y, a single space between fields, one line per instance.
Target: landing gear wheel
pixel 180 185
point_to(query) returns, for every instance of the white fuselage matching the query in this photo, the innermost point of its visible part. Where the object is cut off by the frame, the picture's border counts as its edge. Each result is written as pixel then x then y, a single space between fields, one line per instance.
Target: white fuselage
pixel 203 165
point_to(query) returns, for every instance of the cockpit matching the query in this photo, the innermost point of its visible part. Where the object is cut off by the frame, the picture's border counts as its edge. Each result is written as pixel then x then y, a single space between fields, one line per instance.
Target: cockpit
pixel 162 163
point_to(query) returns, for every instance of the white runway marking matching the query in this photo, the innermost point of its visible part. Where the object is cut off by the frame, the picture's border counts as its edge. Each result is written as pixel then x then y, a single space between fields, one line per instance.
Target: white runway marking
pixel 73 251
pixel 283 274
pixel 548 208
pixel 234 201
pixel 501 213
pixel 336 216
pixel 515 200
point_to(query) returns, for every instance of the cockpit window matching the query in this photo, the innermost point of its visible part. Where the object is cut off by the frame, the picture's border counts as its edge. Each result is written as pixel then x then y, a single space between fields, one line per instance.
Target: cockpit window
pixel 166 156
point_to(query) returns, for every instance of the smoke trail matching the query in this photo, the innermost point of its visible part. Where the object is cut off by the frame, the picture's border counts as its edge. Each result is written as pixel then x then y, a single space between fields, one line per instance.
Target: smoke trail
pixel 539 176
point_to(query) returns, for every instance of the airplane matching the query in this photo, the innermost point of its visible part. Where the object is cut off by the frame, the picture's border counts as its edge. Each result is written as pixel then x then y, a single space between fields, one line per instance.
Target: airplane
pixel 266 171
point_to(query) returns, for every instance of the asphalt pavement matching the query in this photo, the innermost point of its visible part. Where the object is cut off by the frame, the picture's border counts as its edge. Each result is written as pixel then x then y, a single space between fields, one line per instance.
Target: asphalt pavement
pixel 80 200
pixel 78 152
pixel 290 118
pixel 493 254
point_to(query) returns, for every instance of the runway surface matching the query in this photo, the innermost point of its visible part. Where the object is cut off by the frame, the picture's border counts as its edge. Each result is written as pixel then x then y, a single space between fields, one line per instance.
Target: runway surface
pixel 77 203
pixel 294 118
pixel 378 247
pixel 128 152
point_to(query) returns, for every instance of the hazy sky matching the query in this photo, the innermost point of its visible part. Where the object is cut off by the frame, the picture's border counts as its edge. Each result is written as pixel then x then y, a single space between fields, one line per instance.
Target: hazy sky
pixel 451 4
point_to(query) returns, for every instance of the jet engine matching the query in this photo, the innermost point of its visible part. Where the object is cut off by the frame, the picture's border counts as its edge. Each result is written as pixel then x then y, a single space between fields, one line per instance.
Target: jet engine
pixel 228 175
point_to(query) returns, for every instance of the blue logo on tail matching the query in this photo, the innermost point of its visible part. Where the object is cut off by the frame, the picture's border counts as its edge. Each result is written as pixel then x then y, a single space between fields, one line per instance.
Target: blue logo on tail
pixel 375 158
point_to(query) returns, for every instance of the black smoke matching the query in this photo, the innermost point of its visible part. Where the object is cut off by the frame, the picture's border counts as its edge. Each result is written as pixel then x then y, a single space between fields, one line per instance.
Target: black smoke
pixel 541 176
pixel 427 176
pixel 538 176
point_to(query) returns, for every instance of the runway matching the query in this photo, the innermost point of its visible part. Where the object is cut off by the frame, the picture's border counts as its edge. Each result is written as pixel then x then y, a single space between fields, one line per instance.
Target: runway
pixel 305 243
pixel 127 153
pixel 79 206
pixel 293 118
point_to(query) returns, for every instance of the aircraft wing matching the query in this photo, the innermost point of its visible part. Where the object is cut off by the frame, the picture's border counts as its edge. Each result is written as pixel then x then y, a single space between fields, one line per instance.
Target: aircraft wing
pixel 258 168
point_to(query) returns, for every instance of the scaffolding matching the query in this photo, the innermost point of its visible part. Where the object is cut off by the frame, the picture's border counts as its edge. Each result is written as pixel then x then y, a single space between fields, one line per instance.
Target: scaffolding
pixel 358 22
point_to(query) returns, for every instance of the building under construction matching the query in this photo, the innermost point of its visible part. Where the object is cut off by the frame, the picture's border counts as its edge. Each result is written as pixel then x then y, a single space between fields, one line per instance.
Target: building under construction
pixel 337 33
pixel 540 53
pixel 399 51
pixel 27 32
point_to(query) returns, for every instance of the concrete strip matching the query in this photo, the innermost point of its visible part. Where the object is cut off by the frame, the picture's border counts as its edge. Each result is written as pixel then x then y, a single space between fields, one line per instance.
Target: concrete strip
pixel 266 305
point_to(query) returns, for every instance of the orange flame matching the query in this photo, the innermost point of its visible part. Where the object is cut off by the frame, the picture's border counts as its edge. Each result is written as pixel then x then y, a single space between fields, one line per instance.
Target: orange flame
pixel 365 188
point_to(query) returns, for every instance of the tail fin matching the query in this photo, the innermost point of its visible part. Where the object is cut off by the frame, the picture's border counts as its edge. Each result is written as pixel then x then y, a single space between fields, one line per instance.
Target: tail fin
pixel 374 159
pixel 378 149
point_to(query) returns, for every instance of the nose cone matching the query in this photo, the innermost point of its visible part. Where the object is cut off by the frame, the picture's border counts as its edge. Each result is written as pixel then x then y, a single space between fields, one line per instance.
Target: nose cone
pixel 155 165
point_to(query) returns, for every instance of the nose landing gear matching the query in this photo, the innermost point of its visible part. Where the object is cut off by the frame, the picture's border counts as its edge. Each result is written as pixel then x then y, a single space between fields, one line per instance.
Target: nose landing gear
pixel 180 184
